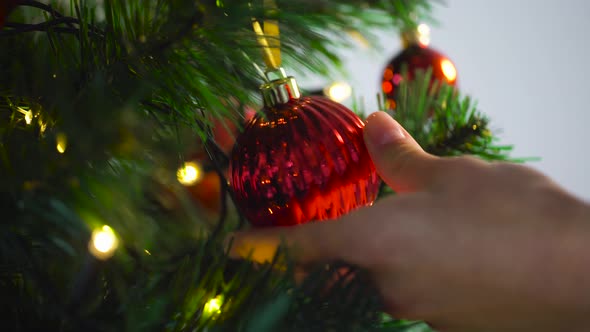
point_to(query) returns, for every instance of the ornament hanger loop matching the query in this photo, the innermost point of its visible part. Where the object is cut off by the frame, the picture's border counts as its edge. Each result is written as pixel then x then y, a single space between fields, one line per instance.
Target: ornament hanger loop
pixel 269 38
pixel 279 88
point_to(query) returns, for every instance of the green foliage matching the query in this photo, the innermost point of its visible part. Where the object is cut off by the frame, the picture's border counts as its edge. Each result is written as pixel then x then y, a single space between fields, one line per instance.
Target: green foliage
pixel 130 89
pixel 444 122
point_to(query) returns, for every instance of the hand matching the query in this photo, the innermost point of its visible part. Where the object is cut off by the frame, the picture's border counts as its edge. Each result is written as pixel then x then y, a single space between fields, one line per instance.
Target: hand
pixel 466 245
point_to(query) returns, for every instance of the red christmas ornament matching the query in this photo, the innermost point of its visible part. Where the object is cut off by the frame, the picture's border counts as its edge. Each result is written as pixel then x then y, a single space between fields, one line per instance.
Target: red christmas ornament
pixel 6 6
pixel 207 191
pixel 416 56
pixel 303 159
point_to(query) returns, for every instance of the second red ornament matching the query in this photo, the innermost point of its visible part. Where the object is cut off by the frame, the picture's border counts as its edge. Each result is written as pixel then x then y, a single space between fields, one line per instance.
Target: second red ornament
pixel 416 56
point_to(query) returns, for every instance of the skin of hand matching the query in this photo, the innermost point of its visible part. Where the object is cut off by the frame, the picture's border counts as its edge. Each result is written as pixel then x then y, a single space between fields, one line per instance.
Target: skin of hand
pixel 466 245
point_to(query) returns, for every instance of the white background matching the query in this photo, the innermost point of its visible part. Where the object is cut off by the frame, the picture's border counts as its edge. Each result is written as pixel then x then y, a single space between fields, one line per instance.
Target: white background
pixel 527 64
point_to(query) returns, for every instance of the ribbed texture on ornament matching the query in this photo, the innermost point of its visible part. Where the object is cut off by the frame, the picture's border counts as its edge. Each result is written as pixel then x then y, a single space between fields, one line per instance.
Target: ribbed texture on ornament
pixel 302 161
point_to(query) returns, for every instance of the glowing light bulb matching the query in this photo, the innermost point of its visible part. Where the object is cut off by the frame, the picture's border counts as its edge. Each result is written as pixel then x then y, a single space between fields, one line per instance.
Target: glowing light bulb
pixel 213 306
pixel 424 34
pixel 103 242
pixel 423 29
pixel 29 117
pixel 338 91
pixel 27 113
pixel 449 70
pixel 189 173
pixel 42 126
pixel 62 142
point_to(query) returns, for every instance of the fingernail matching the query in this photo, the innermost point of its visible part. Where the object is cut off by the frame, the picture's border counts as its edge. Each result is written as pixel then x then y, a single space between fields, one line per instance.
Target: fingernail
pixel 382 129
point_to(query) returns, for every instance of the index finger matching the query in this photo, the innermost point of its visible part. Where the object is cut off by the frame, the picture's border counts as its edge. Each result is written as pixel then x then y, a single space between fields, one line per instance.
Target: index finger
pixel 351 238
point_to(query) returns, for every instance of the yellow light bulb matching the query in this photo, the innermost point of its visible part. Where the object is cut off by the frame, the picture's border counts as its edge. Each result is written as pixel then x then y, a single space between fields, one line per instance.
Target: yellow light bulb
pixel 29 117
pixel 423 29
pixel 449 70
pixel 213 306
pixel 62 142
pixel 103 242
pixel 27 113
pixel 189 173
pixel 338 91
pixel 424 34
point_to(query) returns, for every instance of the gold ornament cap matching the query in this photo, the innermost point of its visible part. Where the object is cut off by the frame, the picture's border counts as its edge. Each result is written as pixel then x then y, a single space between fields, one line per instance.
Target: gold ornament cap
pixel 280 88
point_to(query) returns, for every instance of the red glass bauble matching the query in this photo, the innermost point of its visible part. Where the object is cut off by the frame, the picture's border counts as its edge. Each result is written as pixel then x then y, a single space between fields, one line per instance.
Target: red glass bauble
pixel 416 57
pixel 207 191
pixel 300 161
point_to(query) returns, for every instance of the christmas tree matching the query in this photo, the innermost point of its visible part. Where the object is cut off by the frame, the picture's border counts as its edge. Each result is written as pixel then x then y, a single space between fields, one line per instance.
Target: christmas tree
pixel 117 121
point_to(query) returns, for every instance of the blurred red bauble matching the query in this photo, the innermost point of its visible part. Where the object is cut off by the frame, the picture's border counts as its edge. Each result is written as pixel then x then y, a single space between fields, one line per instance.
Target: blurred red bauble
pixel 303 159
pixel 202 183
pixel 6 7
pixel 416 56
pixel 207 191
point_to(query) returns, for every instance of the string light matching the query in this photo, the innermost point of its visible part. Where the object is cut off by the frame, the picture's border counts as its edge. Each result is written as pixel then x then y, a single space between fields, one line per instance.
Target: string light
pixel 423 34
pixel 27 113
pixel 62 142
pixel 449 70
pixel 213 306
pixel 338 91
pixel 103 242
pixel 189 173
pixel 29 117
pixel 42 126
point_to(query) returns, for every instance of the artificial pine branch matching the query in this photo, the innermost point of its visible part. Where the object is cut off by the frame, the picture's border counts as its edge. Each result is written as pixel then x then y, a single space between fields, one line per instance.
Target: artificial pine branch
pixel 444 122
pixel 131 92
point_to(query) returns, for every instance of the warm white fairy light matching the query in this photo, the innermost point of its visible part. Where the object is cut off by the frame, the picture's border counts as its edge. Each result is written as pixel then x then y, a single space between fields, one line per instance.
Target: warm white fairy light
pixel 449 70
pixel 424 34
pixel 103 242
pixel 28 114
pixel 189 173
pixel 338 91
pixel 213 306
pixel 62 142
pixel 29 117
pixel 42 126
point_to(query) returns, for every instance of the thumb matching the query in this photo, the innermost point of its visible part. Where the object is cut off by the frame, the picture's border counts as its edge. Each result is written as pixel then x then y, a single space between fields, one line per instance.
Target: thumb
pixel 399 160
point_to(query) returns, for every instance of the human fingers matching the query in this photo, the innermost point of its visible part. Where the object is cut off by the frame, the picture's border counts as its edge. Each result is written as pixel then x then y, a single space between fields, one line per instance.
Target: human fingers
pixel 308 243
pixel 399 160
pixel 360 238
